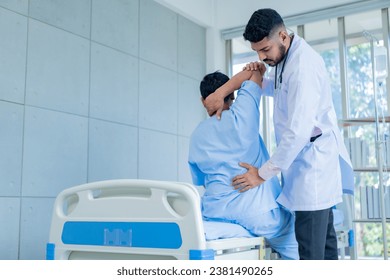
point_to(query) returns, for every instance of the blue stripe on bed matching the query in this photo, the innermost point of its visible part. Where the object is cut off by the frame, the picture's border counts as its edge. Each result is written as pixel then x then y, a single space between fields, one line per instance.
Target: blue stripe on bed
pixel 123 234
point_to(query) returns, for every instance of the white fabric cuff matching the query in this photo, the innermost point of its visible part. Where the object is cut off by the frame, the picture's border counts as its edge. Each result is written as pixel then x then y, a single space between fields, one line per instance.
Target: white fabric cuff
pixel 268 170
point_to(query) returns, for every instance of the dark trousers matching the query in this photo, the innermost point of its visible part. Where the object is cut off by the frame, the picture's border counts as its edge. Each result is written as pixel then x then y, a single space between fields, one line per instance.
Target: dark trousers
pixel 315 234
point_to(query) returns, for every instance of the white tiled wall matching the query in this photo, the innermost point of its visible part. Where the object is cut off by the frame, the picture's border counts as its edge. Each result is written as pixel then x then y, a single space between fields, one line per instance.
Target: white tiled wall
pixel 183 171
pixel 19 6
pixel 157 155
pixel 113 151
pixel 54 151
pixel 157 44
pixel 189 113
pixel 114 85
pixel 90 90
pixel 191 47
pixel 13 34
pixel 106 18
pixel 35 227
pixel 57 69
pixel 70 15
pixel 157 98
pixel 9 233
pixel 11 139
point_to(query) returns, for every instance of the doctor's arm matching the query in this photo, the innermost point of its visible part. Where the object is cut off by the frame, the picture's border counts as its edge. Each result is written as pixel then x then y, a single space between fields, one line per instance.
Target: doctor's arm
pixel 214 102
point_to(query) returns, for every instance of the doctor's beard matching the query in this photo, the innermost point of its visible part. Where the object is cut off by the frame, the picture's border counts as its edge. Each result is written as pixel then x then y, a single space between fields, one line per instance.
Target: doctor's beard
pixel 281 55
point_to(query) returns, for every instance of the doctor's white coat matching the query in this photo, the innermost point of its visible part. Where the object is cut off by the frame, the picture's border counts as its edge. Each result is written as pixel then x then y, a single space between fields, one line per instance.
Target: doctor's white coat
pixel 303 108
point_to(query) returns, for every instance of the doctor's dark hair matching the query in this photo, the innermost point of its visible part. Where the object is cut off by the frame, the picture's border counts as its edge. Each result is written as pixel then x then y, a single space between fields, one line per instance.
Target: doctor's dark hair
pixel 263 23
pixel 211 82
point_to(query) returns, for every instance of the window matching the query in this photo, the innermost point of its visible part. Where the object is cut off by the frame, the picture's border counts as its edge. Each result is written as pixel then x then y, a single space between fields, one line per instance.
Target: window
pixel 323 37
pixel 364 35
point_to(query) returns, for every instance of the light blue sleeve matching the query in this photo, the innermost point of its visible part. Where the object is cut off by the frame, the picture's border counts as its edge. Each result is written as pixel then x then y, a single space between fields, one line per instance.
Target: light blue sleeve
pixel 198 177
pixel 246 109
pixel 248 98
pixel 268 84
pixel 268 87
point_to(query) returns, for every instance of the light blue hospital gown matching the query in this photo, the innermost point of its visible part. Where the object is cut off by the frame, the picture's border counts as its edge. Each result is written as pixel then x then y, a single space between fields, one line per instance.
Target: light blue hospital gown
pixel 216 148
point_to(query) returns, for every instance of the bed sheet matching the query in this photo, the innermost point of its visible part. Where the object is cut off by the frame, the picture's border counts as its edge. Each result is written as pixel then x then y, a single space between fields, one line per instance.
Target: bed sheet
pixel 221 230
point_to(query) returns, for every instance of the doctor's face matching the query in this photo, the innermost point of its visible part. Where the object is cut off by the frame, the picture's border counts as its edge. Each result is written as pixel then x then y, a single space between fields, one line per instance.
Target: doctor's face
pixel 271 50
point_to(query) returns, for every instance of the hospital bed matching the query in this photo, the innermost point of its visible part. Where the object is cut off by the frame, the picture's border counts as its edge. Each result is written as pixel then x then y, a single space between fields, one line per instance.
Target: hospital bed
pixel 142 219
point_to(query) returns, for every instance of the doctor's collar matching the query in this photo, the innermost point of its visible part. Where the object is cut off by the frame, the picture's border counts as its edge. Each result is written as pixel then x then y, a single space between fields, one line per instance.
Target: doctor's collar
pixel 279 79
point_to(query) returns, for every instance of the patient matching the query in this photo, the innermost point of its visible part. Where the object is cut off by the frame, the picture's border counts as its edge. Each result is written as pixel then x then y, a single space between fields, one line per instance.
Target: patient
pixel 216 148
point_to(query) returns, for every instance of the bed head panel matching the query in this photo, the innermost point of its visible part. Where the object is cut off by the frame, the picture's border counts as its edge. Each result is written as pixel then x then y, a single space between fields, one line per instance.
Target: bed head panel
pixel 136 199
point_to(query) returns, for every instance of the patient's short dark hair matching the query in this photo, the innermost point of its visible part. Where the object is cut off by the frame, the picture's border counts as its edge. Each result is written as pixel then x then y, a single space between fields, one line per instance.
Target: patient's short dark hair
pixel 211 82
pixel 262 24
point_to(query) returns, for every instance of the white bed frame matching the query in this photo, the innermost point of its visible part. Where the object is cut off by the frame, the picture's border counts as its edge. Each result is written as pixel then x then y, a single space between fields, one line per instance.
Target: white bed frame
pixel 138 219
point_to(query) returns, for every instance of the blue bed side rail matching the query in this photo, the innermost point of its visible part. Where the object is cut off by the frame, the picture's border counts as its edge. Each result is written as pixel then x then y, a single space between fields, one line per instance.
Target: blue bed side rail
pixel 206 254
pixel 50 251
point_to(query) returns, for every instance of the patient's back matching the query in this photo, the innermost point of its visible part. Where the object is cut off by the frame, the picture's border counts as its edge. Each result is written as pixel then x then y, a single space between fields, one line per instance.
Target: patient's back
pixel 216 148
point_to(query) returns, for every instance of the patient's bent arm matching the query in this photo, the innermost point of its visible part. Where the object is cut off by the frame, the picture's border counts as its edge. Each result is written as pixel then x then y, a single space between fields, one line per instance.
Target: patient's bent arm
pixel 214 102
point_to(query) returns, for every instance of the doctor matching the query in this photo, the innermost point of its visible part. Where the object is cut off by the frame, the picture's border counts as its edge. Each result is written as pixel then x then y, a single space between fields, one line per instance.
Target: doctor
pixel 310 151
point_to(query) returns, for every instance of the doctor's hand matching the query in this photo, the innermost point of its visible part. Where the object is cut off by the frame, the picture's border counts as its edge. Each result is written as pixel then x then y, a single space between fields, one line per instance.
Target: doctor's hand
pixel 214 104
pixel 249 180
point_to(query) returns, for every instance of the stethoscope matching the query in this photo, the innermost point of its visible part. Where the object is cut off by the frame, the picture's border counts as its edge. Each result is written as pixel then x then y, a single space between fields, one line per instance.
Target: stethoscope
pixel 284 64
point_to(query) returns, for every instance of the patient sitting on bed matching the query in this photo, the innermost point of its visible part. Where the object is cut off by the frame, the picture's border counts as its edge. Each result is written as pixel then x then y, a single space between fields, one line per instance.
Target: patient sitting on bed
pixel 216 148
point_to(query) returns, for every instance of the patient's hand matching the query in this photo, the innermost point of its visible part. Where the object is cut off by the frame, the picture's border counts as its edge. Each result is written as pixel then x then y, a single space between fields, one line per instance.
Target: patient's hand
pixel 214 104
pixel 254 66
pixel 249 180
